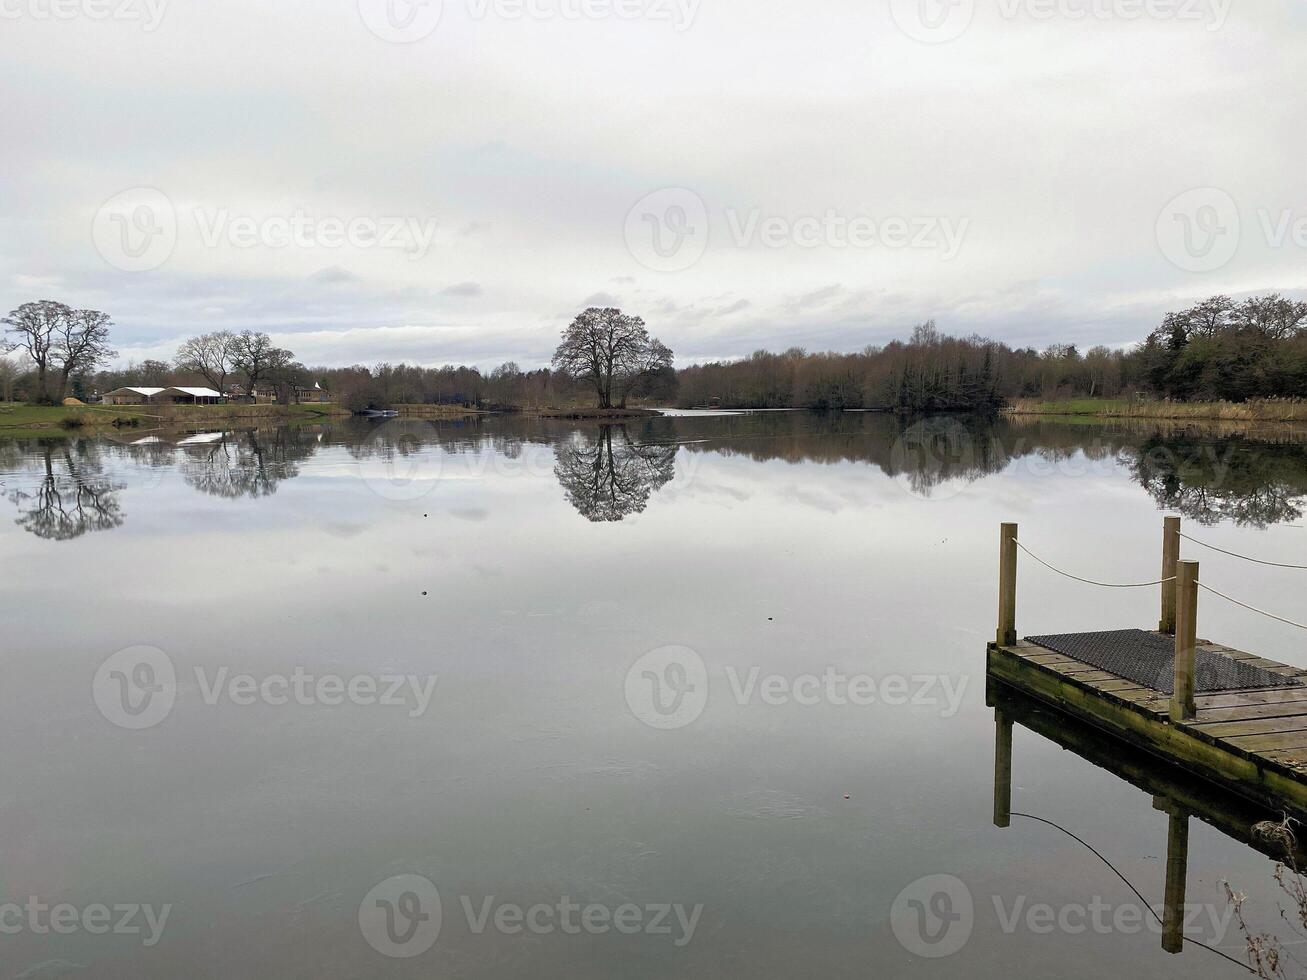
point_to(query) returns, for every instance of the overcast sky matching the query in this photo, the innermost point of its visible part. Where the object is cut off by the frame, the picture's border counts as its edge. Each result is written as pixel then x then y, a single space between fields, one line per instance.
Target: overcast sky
pixel 372 180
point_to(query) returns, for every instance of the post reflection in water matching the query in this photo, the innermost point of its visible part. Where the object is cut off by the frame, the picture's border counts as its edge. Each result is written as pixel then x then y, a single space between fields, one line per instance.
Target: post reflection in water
pixel 1174 792
pixel 67 486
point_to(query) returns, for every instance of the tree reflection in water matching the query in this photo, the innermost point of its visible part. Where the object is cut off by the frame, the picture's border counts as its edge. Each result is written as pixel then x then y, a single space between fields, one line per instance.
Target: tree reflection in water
pixel 248 463
pixel 71 495
pixel 607 472
pixel 608 476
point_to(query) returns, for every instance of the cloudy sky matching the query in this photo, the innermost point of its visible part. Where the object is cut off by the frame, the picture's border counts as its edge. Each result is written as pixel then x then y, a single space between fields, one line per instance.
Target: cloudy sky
pixel 450 182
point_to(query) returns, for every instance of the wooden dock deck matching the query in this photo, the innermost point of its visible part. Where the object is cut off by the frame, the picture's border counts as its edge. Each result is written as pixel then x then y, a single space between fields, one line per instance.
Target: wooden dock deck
pixel 1250 740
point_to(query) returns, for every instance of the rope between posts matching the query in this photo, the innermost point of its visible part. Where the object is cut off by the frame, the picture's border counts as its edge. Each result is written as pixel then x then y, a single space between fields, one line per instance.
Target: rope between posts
pixel 1235 554
pixel 1089 581
pixel 1245 605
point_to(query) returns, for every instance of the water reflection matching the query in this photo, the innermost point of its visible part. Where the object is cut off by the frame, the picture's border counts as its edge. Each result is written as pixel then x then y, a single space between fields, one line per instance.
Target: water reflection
pixel 1174 792
pixel 250 463
pixel 607 475
pixel 71 494
pixel 607 472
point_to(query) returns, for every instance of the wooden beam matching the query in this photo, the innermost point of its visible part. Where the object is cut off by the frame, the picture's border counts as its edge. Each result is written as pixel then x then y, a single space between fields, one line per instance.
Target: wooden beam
pixel 1186 640
pixel 1007 585
pixel 1170 556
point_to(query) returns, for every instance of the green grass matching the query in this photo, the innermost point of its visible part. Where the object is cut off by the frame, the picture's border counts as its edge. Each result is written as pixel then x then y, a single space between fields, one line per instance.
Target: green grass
pixel 39 418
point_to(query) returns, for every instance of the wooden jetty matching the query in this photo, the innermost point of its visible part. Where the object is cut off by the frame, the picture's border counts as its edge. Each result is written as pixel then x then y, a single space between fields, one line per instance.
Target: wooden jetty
pixel 1250 740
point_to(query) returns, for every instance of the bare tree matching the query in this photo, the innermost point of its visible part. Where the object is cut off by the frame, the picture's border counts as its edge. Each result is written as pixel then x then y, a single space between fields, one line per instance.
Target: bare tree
pixel 36 328
pixel 11 369
pixel 81 344
pixel 210 355
pixel 256 357
pixel 611 351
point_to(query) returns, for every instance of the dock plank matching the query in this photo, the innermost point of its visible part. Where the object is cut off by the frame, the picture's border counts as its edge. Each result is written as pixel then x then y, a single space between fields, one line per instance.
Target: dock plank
pixel 1252 741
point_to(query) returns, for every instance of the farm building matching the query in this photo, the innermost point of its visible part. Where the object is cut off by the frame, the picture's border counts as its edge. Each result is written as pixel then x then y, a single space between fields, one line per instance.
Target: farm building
pixel 162 396
pixel 130 396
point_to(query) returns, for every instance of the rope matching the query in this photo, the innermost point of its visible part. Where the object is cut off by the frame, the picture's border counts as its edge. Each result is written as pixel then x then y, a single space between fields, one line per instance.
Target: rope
pixel 1093 850
pixel 1089 581
pixel 1235 554
pixel 1245 605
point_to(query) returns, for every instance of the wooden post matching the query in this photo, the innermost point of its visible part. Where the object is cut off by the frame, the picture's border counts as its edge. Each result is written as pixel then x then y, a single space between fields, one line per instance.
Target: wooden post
pixel 1186 638
pixel 1170 555
pixel 1007 586
pixel 1002 769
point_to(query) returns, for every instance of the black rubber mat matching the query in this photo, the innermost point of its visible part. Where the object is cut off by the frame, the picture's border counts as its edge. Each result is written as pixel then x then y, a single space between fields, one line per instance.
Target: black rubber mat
pixel 1148 659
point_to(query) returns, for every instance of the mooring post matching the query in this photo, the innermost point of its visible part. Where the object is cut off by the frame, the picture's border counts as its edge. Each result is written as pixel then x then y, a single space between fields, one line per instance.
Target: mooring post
pixel 1186 638
pixel 1007 586
pixel 1170 555
pixel 1002 769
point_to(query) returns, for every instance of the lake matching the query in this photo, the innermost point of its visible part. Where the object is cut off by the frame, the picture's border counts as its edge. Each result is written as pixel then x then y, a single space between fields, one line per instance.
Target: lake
pixel 697 696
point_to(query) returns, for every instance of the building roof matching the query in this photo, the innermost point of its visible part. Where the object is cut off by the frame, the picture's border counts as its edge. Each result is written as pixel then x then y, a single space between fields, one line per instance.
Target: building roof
pixel 195 392
pixel 147 392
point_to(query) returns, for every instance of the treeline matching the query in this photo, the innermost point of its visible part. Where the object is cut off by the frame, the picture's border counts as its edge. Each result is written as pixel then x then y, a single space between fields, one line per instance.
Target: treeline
pixel 929 372
pixel 1217 350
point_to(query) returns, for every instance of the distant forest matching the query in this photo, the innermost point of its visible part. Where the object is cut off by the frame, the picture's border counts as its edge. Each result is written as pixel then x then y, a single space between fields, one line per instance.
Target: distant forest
pixel 1218 349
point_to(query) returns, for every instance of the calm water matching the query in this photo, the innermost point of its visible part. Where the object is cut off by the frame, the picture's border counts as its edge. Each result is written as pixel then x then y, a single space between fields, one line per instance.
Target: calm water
pixel 734 803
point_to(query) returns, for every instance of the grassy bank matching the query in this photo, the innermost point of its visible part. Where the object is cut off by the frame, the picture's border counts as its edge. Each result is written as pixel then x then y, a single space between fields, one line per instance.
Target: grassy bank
pixel 14 417
pixel 1255 410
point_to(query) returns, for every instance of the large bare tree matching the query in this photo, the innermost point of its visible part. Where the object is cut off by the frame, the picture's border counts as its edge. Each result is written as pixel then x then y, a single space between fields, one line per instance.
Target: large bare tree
pixel 610 351
pixel 256 357
pixel 81 344
pixel 210 355
pixel 60 341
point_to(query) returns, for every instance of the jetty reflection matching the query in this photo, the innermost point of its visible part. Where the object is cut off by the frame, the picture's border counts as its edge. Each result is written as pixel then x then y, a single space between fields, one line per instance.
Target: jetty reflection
pixel 1174 792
